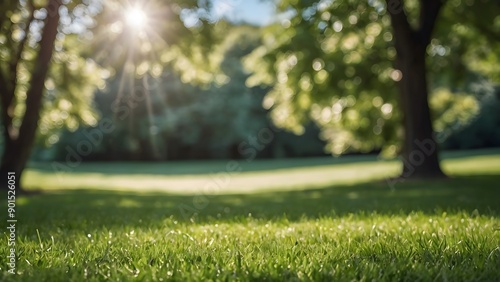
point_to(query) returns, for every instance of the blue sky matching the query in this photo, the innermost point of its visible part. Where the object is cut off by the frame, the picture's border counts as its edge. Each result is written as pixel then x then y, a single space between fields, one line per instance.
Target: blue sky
pixel 252 11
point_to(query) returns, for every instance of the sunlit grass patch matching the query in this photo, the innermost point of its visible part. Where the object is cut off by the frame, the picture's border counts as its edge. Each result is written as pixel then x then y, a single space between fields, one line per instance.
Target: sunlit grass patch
pixel 191 177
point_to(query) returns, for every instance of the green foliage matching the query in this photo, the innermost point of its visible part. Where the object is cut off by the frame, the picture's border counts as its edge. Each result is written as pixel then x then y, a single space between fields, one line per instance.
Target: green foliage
pixel 481 131
pixel 70 91
pixel 176 35
pixel 72 79
pixel 452 108
pixel 94 43
pixel 225 113
pixel 332 62
pixel 174 119
pixel 332 65
pixel 177 120
pixel 467 39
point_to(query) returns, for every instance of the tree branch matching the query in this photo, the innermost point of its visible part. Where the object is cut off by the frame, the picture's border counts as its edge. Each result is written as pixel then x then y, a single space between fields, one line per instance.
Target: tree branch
pixel 35 92
pixel 14 65
pixel 3 90
pixel 6 93
pixel 6 96
pixel 9 93
pixel 403 32
pixel 395 8
pixel 429 11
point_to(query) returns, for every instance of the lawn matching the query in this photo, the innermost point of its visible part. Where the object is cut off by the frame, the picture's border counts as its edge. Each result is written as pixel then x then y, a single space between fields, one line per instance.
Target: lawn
pixel 308 219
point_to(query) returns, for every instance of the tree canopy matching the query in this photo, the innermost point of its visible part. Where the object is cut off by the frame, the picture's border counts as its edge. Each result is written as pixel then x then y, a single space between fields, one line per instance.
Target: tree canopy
pixel 47 76
pixel 333 62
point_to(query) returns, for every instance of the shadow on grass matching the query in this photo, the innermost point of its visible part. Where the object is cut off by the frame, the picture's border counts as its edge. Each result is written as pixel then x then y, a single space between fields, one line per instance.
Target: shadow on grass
pixel 108 209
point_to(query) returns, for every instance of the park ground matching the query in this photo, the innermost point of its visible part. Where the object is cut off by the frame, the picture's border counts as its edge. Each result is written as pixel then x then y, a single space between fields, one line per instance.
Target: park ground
pixel 319 219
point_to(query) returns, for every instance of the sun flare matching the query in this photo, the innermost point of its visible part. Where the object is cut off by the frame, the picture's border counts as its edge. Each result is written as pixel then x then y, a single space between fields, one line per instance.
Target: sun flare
pixel 136 18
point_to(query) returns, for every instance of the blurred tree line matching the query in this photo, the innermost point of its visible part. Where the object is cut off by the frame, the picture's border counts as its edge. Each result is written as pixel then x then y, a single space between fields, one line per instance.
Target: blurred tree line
pixel 188 121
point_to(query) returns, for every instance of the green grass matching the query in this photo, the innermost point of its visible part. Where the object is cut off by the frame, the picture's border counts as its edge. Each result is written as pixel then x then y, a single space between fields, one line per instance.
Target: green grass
pixel 349 227
pixel 191 177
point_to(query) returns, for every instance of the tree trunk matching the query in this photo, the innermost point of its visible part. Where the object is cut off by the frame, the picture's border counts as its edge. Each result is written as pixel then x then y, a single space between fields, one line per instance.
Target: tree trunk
pixel 420 150
pixel 18 145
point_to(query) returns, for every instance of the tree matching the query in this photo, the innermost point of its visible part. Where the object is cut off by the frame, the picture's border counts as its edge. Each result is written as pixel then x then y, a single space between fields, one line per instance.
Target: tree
pixel 19 139
pixel 46 73
pixel 45 84
pixel 411 46
pixel 349 65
